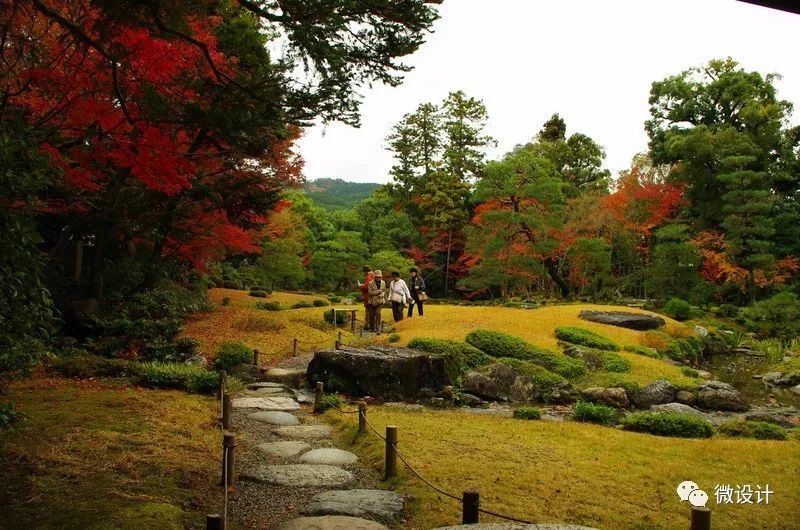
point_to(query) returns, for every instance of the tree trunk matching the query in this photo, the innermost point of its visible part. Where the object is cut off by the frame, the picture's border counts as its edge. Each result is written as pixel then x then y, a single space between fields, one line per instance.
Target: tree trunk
pixel 447 264
pixel 78 260
pixel 99 260
pixel 552 271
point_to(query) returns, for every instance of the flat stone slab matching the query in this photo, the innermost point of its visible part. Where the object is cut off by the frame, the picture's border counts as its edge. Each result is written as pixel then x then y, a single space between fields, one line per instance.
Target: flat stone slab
pixel 265 384
pixel 265 403
pixel 286 449
pixel 291 377
pixel 330 522
pixel 515 526
pixel 380 505
pixel 305 432
pixel 330 456
pixel 275 417
pixel 304 395
pixel 270 390
pixel 301 475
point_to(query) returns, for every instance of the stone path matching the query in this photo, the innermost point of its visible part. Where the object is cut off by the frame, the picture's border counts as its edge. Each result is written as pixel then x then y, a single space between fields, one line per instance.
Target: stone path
pixel 290 476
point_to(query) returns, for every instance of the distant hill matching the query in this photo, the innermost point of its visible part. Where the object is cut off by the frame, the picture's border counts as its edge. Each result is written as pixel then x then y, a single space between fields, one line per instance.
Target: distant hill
pixel 337 194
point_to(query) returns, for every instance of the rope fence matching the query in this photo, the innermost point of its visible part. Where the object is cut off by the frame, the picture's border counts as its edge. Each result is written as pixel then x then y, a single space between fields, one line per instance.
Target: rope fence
pixel 470 500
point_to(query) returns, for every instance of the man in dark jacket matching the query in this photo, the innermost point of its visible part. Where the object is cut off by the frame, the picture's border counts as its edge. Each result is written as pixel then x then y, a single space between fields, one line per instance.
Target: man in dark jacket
pixel 417 287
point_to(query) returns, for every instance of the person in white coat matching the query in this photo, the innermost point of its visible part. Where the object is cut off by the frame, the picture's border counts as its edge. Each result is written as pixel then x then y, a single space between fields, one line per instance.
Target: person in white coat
pixel 399 296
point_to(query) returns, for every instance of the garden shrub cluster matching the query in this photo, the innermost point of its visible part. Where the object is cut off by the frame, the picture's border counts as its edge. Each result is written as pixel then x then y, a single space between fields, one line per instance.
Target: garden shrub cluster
pixel 777 317
pixel 641 350
pixel 678 309
pixel 328 401
pixel 668 424
pixel 232 354
pixel 527 412
pixel 183 376
pixel 499 344
pixel 259 293
pixel 544 381
pixel 613 362
pixel 594 413
pixel 303 305
pixel 585 337
pixel 686 349
pixel 760 430
pixel 320 303
pixel 269 306
pixel 463 356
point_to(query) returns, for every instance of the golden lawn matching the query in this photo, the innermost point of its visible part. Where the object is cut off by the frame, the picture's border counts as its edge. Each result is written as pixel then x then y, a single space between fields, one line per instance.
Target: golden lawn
pixel 576 473
pixel 272 331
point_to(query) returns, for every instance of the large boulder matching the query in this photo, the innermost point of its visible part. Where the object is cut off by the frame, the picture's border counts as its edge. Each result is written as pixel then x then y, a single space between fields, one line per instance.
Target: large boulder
pixel 389 373
pixel 623 319
pixel 787 417
pixel 680 408
pixel 716 395
pixel 498 382
pixel 613 397
pixel 656 393
pixel 781 378
pixel 592 359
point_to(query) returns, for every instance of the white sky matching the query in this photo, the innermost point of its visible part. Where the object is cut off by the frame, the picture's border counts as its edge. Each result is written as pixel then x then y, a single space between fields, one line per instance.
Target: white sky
pixel 592 61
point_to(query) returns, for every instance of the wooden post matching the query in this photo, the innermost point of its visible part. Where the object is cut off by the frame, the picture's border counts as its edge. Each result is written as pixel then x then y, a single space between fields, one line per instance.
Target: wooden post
pixel 318 392
pixel 470 502
pixel 78 260
pixel 362 417
pixel 294 347
pixel 338 343
pixel 701 518
pixel 229 463
pixel 226 411
pixel 382 323
pixel 391 454
pixel 256 357
pixel 353 321
pixel 221 388
pixel 214 521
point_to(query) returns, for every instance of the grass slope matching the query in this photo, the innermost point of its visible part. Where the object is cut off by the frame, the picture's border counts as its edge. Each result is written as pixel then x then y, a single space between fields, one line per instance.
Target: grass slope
pixel 576 473
pixel 269 331
pixel 95 455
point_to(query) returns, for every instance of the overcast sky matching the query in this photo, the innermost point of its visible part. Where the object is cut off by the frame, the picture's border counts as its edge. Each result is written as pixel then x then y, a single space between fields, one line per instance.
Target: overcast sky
pixel 592 61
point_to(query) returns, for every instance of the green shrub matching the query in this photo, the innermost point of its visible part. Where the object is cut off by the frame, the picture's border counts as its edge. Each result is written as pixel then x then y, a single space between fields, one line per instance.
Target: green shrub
pixel 594 413
pixel 499 344
pixel 545 382
pixel 328 401
pixel 269 306
pixel 689 372
pixel 585 337
pixel 178 376
pixel 394 337
pixel 334 299
pixel 232 354
pixel 610 380
pixel 302 305
pixel 320 303
pixel 678 309
pixel 86 366
pixel 8 416
pixel 232 284
pixel 615 363
pixel 462 356
pixel 641 350
pixel 668 424
pixel 226 300
pixel 777 317
pixel 761 430
pixel 342 317
pixel 728 311
pixel 258 293
pixel 527 412
pixel 186 347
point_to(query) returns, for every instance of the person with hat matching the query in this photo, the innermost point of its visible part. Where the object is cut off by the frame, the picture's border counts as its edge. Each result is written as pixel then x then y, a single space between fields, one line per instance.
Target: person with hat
pixel 416 285
pixel 377 297
pixel 368 277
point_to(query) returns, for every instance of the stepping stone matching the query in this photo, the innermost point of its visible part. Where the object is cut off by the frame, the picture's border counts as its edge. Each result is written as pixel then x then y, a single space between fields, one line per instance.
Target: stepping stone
pixel 265 393
pixel 515 526
pixel 291 377
pixel 265 384
pixel 265 403
pixel 331 522
pixel 330 456
pixel 304 396
pixel 271 391
pixel 305 432
pixel 380 505
pixel 283 449
pixel 302 475
pixel 274 417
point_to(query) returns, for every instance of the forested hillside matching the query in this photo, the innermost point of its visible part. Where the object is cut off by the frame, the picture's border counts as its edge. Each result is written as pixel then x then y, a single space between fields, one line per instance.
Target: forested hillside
pixel 338 194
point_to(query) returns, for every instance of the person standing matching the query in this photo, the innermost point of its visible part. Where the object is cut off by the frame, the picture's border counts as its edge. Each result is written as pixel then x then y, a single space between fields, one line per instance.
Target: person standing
pixel 416 285
pixel 399 296
pixel 377 297
pixel 368 277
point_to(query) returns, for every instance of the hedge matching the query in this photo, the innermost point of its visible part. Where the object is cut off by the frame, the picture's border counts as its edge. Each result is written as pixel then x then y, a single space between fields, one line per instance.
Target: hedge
pixel 668 424
pixel 585 337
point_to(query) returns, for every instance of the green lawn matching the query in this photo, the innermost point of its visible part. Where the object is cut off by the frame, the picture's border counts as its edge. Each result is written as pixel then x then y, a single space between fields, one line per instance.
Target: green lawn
pixel 96 455
pixel 577 473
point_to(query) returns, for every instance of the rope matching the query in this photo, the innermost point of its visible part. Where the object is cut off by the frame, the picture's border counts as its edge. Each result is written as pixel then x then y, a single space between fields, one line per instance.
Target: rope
pixel 435 487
